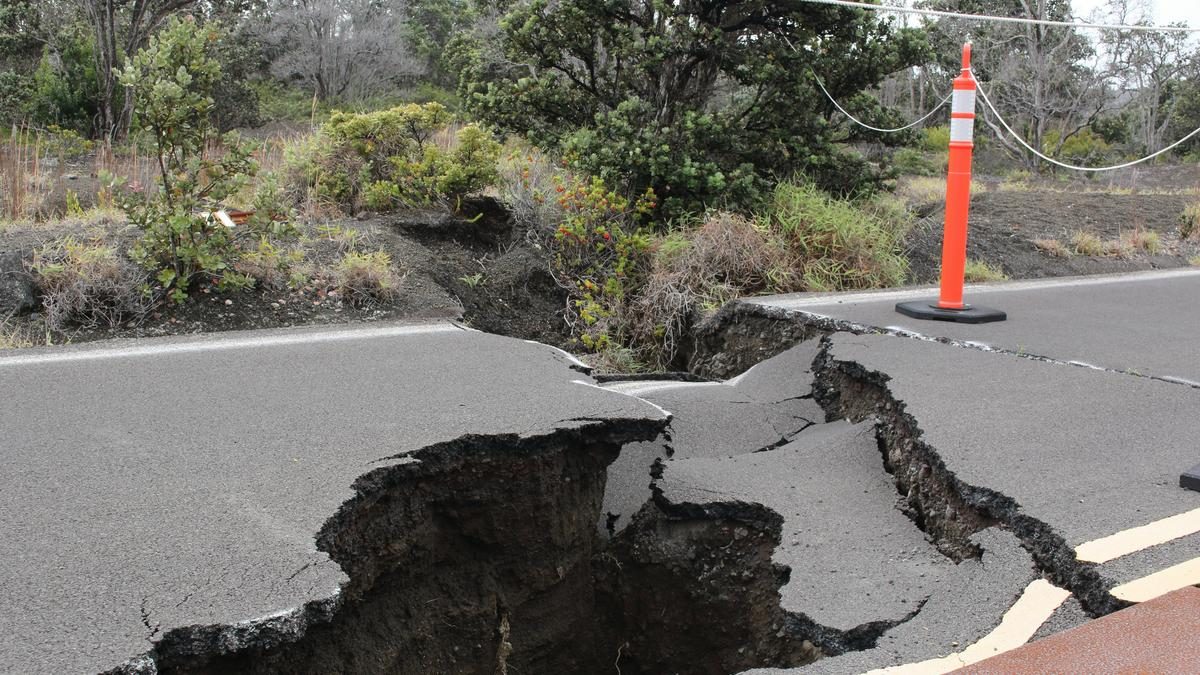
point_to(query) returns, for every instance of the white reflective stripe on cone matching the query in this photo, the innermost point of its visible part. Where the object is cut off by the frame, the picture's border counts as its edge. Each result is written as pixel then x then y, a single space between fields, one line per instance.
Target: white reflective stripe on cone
pixel 962 129
pixel 964 101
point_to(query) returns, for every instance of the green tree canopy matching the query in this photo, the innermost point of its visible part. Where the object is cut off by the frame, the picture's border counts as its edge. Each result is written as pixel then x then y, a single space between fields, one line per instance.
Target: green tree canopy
pixel 708 102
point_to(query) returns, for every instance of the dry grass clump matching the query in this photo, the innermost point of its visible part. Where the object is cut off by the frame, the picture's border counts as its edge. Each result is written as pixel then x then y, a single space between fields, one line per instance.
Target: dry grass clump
pixel 806 240
pixel 1086 243
pixel 726 257
pixel 922 190
pixel 367 278
pixel 1118 248
pixel 24 185
pixel 1143 240
pixel 88 284
pixel 1052 247
pixel 978 271
pixel 12 337
pixel 527 186
pixel 1189 221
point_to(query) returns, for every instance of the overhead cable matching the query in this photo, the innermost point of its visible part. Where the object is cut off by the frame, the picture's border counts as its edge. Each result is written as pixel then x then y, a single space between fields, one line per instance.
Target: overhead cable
pixel 1017 137
pixel 1002 19
pixel 868 126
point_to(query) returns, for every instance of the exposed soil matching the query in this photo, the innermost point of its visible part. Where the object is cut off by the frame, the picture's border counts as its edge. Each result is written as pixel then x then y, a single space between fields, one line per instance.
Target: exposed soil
pixel 500 274
pixel 1004 225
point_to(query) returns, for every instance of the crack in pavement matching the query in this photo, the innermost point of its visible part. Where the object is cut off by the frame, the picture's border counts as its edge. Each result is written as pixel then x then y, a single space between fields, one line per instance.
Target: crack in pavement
pixel 153 630
pixel 831 325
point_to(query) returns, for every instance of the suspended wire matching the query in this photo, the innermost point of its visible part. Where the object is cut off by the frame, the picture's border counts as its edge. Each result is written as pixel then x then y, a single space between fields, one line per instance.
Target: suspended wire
pixel 1064 165
pixel 868 126
pixel 1002 19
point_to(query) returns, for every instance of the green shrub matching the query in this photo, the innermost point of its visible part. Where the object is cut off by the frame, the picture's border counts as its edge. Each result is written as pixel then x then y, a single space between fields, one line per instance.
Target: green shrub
pixel 598 254
pixel 87 284
pixel 381 195
pixel 16 90
pixel 935 139
pixel 278 101
pixel 273 216
pixel 407 155
pixel 913 162
pixel 65 86
pixel 65 143
pixel 706 104
pixel 367 278
pixel 1084 146
pixel 172 80
pixel 837 245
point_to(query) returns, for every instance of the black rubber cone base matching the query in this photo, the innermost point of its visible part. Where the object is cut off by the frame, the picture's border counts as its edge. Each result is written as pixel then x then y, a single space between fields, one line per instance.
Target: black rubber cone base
pixel 925 309
pixel 1190 479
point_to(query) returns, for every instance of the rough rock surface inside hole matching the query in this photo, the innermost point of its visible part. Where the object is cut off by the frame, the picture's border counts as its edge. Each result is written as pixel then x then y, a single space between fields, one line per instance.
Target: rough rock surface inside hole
pixel 452 561
pixel 693 590
pixel 742 334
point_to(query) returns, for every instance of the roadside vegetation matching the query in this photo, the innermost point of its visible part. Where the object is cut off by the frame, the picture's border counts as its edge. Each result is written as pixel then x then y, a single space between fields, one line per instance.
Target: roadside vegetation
pixel 219 157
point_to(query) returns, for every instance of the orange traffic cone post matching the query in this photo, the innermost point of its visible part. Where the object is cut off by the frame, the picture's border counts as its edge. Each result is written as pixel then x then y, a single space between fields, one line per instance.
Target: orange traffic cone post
pixel 950 305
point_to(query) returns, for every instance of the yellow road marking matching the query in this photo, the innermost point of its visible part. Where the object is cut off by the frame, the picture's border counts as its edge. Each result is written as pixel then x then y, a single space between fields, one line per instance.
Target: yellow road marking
pixel 1020 622
pixel 1138 538
pixel 1160 583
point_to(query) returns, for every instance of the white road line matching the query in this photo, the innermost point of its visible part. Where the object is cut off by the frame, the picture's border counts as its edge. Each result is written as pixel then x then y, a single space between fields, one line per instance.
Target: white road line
pixel 1139 538
pixel 803 300
pixel 666 413
pixel 1020 622
pixel 569 356
pixel 1041 598
pixel 642 387
pixel 1162 582
pixel 225 344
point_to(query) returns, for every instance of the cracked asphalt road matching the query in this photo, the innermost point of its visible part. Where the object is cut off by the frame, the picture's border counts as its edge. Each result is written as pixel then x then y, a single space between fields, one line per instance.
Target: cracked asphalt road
pixel 764 408
pixel 158 484
pixel 1088 452
pixel 1142 323
pixel 854 558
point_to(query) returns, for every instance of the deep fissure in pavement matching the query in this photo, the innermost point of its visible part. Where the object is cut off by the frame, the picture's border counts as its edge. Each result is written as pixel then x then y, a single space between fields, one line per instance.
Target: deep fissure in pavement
pixel 944 506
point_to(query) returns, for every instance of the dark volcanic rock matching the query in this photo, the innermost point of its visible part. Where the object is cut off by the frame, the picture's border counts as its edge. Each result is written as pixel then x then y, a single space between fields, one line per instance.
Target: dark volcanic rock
pixel 16 285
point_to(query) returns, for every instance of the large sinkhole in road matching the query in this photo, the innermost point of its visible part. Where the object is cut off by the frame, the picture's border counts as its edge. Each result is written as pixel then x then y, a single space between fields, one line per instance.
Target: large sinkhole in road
pixel 817 530
pixel 496 561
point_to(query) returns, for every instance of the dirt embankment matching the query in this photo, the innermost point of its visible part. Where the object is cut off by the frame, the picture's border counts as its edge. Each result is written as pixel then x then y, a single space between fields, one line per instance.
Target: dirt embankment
pixel 1005 225
pixel 469 264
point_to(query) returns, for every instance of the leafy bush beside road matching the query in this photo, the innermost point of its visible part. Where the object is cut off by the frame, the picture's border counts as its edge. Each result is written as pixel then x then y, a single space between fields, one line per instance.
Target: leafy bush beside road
pixel 410 155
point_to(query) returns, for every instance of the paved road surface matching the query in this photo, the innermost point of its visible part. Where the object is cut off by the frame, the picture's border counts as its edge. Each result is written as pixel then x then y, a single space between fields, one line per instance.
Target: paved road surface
pixel 173 482
pixel 1146 323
